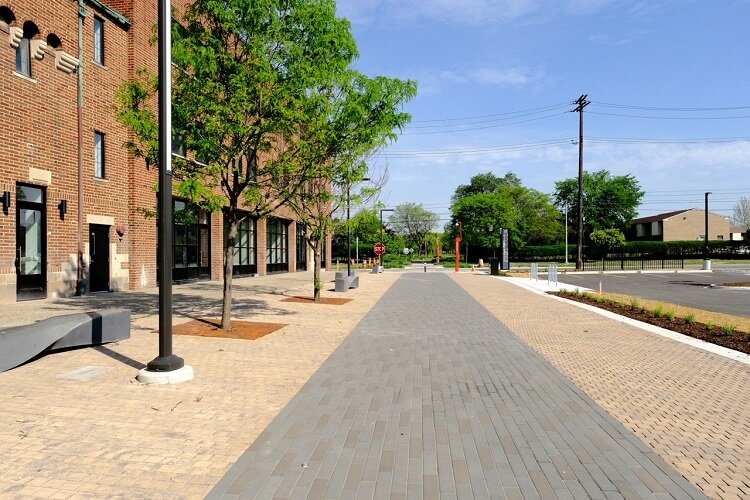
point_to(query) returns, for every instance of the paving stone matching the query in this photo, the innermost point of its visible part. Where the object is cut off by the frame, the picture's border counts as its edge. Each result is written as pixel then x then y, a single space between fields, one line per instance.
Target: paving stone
pixel 457 356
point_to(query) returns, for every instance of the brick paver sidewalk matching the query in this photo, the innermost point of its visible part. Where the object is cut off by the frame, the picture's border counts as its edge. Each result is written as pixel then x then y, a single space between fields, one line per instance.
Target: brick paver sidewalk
pixel 430 397
pixel 77 425
pixel 690 406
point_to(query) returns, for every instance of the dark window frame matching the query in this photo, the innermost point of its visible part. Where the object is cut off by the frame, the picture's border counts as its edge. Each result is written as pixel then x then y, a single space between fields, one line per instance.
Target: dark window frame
pixel 245 256
pixel 23 57
pixel 277 245
pixel 100 155
pixel 99 40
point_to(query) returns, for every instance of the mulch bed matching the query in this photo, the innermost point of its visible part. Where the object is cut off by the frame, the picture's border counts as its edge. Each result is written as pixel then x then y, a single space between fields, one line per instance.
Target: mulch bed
pixel 211 327
pixel 323 300
pixel 738 341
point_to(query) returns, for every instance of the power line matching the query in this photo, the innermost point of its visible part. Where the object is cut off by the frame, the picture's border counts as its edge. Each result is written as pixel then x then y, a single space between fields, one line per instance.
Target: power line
pixel 655 108
pixel 539 109
pixel 485 127
pixel 651 117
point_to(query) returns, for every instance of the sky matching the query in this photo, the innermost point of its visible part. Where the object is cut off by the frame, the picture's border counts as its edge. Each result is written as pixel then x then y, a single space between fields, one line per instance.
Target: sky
pixel 668 82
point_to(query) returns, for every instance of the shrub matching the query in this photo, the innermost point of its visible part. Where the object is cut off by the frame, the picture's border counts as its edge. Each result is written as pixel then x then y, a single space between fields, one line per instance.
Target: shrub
pixel 670 315
pixel 634 304
pixel 658 311
pixel 690 319
pixel 727 329
pixel 710 325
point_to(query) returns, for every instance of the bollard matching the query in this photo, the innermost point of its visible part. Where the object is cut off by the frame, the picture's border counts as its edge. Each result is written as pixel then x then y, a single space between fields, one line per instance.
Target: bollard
pixel 425 268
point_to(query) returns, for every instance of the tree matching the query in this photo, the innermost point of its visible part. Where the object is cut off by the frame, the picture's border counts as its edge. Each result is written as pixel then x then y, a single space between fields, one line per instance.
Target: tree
pixel 413 222
pixel 487 183
pixel 244 74
pixel 343 124
pixel 503 203
pixel 605 240
pixel 610 202
pixel 741 213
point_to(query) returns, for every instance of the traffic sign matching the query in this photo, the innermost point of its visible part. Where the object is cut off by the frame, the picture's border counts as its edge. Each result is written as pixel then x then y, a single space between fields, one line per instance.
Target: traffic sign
pixel 379 249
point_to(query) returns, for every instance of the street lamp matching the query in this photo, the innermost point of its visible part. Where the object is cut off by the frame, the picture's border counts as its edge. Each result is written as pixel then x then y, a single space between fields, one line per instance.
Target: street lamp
pixel 166 368
pixel 349 228
pixel 380 257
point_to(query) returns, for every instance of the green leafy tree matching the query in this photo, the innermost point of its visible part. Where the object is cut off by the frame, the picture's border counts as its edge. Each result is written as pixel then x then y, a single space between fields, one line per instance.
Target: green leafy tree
pixel 244 74
pixel 343 124
pixel 498 203
pixel 487 183
pixel 605 240
pixel 610 202
pixel 414 223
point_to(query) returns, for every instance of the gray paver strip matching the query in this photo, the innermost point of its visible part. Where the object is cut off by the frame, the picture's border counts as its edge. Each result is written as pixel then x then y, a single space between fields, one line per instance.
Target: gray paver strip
pixel 691 406
pixel 110 437
pixel 454 404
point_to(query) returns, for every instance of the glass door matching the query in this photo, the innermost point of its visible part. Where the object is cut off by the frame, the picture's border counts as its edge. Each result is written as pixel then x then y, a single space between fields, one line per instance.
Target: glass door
pixel 31 243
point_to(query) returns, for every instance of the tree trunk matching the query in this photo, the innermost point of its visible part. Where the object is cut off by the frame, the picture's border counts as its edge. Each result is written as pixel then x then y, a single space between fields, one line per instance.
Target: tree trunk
pixel 316 271
pixel 226 309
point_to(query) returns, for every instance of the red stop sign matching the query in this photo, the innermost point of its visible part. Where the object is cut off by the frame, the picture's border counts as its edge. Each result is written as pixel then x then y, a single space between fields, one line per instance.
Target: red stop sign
pixel 379 249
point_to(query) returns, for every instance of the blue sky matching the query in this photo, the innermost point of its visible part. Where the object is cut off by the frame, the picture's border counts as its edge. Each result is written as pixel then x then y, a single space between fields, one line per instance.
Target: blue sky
pixel 497 79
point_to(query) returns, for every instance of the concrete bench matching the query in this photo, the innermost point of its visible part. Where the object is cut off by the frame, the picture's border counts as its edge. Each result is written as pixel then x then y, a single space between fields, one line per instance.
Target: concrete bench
pixel 344 282
pixel 19 344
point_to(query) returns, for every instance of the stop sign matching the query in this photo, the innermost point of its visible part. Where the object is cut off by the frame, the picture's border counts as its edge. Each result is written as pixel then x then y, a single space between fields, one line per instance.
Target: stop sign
pixel 379 249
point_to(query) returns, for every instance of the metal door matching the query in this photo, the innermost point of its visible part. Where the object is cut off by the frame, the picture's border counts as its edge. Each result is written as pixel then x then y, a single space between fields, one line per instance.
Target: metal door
pixel 98 258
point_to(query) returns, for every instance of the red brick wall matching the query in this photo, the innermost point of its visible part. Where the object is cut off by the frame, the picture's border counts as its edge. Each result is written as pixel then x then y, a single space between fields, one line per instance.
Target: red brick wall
pixel 40 126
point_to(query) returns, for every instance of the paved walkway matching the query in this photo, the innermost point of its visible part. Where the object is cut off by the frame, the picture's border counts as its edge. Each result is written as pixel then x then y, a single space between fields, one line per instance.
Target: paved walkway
pixel 490 391
pixel 431 396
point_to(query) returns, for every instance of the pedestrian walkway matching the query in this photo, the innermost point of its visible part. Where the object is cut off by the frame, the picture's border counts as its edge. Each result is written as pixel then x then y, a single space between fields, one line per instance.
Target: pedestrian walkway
pixel 431 396
pixel 689 405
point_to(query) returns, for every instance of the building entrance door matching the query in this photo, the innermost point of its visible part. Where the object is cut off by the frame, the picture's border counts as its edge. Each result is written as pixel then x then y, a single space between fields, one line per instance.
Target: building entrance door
pixel 98 258
pixel 31 243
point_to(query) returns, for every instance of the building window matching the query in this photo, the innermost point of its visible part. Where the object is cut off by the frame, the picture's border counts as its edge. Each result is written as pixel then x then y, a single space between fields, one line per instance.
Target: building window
pixel 23 57
pixel 301 247
pixel 192 259
pixel 99 41
pixel 244 262
pixel 277 245
pixel 99 164
pixel 178 144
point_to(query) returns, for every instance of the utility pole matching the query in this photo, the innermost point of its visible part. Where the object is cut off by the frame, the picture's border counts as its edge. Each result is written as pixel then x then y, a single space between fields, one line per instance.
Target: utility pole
pixel 582 102
pixel 706 259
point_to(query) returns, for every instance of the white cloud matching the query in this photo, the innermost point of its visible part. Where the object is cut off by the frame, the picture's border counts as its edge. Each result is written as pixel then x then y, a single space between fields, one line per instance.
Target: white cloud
pixel 512 77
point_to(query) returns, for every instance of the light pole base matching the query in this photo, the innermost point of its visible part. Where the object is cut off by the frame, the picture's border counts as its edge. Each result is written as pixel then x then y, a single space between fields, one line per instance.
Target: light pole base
pixel 184 374
pixel 706 264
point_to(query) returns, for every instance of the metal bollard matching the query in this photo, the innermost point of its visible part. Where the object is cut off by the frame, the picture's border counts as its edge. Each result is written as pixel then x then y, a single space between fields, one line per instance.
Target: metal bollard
pixel 425 268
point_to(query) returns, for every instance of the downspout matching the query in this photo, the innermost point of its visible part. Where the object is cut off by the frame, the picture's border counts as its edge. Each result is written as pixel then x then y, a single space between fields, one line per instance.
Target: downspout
pixel 81 277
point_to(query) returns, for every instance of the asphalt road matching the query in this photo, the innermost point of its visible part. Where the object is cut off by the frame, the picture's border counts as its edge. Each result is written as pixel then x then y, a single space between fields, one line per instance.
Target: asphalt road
pixel 692 289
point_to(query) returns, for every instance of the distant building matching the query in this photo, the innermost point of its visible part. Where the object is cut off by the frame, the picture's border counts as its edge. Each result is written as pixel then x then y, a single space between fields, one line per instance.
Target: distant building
pixel 681 225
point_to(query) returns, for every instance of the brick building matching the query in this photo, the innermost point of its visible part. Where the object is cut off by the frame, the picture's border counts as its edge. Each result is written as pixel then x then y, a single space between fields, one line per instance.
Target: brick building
pixel 67 186
pixel 681 225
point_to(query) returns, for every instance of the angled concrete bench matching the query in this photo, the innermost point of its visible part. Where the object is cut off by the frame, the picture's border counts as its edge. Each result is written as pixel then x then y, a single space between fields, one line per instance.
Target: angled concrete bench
pixel 344 282
pixel 19 344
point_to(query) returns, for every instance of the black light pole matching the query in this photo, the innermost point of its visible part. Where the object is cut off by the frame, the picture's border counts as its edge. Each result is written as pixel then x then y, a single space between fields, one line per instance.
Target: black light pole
pixel 166 361
pixel 380 257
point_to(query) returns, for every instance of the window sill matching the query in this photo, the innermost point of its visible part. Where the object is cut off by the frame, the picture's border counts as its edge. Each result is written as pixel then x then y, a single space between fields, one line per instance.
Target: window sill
pixel 100 179
pixel 24 77
pixel 103 66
